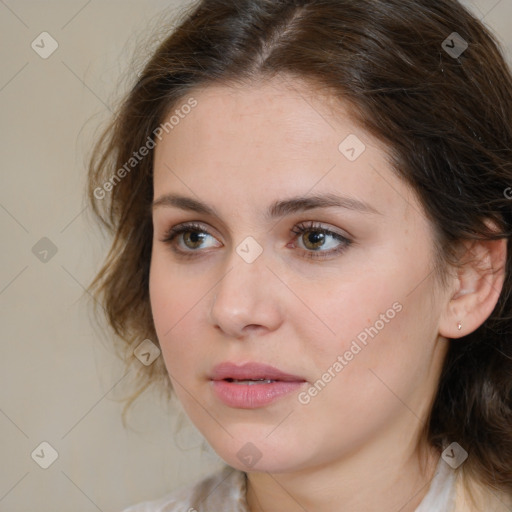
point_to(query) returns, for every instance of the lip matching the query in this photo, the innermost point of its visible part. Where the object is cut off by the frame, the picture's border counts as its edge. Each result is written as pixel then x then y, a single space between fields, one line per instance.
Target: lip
pixel 252 396
pixel 251 370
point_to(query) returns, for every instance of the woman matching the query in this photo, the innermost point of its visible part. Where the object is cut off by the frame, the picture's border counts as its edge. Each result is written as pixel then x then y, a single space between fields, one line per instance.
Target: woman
pixel 311 219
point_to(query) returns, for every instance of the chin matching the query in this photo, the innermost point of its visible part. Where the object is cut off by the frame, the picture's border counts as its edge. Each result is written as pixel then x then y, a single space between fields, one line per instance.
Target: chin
pixel 259 455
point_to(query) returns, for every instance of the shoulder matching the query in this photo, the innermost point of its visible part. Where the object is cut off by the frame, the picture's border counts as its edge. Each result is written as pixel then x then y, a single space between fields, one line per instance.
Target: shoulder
pixel 223 490
pixel 472 496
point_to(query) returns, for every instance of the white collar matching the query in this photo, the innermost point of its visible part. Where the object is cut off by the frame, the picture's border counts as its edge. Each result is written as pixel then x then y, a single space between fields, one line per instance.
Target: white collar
pixel 441 494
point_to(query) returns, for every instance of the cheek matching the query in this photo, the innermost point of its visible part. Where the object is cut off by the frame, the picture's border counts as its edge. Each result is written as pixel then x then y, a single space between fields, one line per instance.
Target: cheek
pixel 172 302
pixel 372 366
pixel 373 321
pixel 178 296
pixel 174 291
pixel 344 305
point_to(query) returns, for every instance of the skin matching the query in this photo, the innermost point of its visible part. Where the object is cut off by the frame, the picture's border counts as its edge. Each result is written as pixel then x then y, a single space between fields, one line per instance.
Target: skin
pixel 357 444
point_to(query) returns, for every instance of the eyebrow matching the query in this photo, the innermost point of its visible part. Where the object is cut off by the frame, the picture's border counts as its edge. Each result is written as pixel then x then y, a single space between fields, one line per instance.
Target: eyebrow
pixel 276 209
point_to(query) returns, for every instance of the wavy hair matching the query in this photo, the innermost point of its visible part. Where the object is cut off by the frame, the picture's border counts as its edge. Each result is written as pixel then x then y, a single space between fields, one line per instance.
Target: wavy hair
pixel 444 111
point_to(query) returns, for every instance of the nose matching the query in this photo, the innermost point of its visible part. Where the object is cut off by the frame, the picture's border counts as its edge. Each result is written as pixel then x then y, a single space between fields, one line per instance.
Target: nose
pixel 247 299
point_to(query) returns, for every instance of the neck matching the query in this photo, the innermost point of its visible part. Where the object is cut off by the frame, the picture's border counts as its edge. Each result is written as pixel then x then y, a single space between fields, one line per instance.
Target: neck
pixel 391 479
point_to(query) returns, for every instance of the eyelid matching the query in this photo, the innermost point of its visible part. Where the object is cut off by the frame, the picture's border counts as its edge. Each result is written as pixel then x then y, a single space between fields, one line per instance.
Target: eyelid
pixel 316 225
pixel 189 226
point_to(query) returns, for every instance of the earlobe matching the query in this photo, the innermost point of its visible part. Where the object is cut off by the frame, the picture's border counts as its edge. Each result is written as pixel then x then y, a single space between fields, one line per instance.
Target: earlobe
pixel 478 287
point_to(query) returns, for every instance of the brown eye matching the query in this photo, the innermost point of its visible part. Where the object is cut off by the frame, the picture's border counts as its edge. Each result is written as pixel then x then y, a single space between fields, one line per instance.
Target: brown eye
pixel 193 239
pixel 319 242
pixel 313 239
pixel 190 239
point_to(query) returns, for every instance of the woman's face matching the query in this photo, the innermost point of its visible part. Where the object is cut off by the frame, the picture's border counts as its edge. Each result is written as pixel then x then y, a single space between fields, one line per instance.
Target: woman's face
pixel 306 254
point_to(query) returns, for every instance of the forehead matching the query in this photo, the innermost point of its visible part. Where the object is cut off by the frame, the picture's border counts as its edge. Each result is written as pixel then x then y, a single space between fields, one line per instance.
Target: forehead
pixel 287 118
pixel 277 139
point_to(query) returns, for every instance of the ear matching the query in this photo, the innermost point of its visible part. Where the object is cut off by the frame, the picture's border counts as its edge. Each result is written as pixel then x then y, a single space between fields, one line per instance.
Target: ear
pixel 477 287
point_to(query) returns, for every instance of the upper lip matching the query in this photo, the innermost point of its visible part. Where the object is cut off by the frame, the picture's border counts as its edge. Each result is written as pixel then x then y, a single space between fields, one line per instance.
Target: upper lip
pixel 251 371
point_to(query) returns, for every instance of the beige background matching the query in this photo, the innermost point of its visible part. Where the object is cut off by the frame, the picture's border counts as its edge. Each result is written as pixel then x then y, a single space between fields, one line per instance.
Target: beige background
pixel 59 382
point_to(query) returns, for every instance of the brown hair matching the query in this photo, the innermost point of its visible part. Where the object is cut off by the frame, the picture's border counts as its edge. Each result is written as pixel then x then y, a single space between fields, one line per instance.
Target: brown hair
pixel 446 118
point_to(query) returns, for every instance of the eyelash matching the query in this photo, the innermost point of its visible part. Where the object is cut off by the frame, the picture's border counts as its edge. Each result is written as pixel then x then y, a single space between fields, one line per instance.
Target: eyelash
pixel 298 230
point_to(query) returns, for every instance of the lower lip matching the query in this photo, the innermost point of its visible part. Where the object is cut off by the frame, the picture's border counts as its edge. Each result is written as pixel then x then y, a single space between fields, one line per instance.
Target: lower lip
pixel 252 396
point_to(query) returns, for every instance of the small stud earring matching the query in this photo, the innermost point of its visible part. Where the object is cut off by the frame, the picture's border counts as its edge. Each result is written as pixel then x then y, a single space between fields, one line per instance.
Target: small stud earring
pixel 459 325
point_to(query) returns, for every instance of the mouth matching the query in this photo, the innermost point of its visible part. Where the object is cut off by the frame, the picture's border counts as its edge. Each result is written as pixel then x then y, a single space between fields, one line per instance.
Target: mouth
pixel 252 372
pixel 252 385
pixel 250 382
